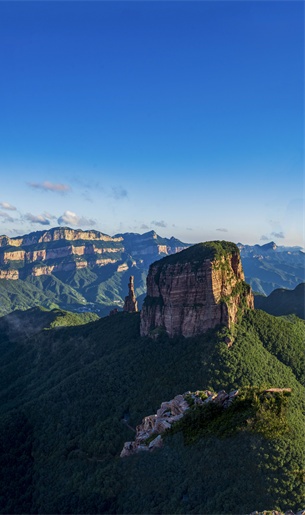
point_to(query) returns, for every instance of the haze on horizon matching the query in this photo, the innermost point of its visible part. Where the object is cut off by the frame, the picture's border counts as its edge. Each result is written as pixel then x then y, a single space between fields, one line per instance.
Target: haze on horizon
pixel 182 117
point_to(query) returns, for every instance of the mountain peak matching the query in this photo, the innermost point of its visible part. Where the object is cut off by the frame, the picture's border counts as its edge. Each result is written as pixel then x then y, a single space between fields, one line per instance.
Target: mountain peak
pixel 269 246
pixel 195 290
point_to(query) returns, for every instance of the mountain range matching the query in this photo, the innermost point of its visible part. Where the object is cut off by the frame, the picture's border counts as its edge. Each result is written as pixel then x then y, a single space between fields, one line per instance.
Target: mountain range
pixel 74 394
pixel 89 271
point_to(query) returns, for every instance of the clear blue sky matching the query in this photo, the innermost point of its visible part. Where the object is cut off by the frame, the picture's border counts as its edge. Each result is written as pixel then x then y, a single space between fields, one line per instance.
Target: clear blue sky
pixel 184 117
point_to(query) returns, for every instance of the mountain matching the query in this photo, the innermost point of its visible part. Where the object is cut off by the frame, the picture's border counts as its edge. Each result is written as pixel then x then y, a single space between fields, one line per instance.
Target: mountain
pixel 88 270
pixel 283 302
pixel 195 290
pixel 74 269
pixel 269 266
pixel 72 396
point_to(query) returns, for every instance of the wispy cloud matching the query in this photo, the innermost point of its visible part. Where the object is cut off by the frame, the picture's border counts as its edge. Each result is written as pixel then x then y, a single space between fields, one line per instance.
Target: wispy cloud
pixel 70 218
pixel 6 217
pixel 278 234
pixel 264 238
pixel 8 206
pixel 189 229
pixel 144 226
pixel 50 186
pixel 37 219
pixel 118 192
pixel 49 216
pixel 222 229
pixel 160 223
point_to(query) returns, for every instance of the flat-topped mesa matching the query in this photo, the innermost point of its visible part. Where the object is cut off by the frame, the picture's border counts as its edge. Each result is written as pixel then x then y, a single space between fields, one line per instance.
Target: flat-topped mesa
pixel 195 290
pixel 130 304
pixel 56 234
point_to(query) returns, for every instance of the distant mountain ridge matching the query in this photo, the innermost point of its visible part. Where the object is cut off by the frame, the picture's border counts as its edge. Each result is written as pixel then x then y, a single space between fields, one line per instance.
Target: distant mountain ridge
pixel 283 302
pixel 77 270
pixel 73 269
pixel 269 266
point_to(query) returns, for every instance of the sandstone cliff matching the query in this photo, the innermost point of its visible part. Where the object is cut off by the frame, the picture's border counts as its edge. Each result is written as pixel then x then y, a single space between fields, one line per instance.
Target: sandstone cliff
pixel 56 234
pixel 58 249
pixel 195 290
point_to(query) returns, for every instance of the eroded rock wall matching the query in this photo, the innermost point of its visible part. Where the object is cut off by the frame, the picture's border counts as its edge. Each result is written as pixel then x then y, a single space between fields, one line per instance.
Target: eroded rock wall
pixel 189 297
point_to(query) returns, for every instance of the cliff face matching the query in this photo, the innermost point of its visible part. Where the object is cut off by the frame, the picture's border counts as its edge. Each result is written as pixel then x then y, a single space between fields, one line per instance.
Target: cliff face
pixel 64 249
pixel 56 234
pixel 195 290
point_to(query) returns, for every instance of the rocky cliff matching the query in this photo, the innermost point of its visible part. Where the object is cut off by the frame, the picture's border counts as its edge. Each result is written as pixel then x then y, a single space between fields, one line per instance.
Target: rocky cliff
pixel 195 290
pixel 77 268
pixel 61 249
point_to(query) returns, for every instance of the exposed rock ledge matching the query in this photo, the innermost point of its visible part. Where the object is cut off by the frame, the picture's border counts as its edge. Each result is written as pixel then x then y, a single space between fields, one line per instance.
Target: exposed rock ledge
pixel 9 274
pixel 170 412
pixel 148 433
pixel 274 512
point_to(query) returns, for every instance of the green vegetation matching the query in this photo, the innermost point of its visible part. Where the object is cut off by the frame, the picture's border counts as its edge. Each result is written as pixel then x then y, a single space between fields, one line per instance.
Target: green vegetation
pixel 98 288
pixel 64 392
pixel 254 409
pixel 198 253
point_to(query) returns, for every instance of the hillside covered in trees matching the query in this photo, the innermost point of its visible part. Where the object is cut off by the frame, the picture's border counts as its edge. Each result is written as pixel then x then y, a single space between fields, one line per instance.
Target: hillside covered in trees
pixel 70 396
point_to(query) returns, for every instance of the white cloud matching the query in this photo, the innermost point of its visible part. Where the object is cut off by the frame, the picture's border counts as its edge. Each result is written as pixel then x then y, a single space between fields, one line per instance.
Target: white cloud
pixel 6 205
pixel 50 186
pixel 278 234
pixel 70 218
pixel 37 219
pixel 161 223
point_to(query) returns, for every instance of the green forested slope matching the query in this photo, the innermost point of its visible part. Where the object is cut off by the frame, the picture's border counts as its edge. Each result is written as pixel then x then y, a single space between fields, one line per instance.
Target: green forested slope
pixel 97 289
pixel 64 394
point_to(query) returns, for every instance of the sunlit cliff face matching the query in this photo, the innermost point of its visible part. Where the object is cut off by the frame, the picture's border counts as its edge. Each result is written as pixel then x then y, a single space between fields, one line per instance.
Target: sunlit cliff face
pixel 187 300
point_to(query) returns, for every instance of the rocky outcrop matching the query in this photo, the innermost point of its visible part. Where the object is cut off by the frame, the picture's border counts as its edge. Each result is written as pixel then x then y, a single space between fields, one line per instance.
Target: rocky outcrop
pixel 195 290
pixel 9 274
pixel 275 512
pixel 58 249
pixel 17 255
pixel 168 413
pixel 130 304
pixel 123 267
pixel 56 234
pixel 149 432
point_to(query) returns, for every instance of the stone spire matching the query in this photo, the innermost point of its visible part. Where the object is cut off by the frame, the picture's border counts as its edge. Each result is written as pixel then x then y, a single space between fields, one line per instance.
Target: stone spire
pixel 130 304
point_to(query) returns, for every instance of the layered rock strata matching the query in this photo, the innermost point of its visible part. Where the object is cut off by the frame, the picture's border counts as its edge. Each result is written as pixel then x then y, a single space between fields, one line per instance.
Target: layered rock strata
pixel 195 290
pixel 56 234
pixel 130 304
pixel 62 249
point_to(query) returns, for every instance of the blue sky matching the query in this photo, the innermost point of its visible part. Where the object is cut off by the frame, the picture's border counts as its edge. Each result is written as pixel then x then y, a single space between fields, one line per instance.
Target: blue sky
pixel 184 117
